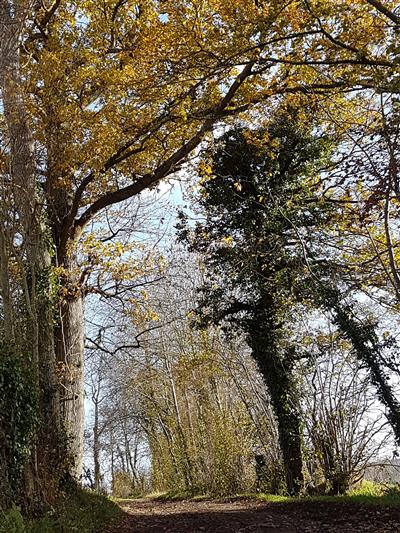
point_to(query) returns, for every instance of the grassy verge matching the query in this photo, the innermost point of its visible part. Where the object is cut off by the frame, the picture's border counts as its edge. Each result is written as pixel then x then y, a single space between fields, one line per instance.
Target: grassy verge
pixel 83 512
pixel 178 496
pixel 367 494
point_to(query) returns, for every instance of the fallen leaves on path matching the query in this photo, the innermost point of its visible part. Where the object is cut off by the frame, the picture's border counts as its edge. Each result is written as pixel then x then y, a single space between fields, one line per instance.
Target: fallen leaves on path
pixel 246 516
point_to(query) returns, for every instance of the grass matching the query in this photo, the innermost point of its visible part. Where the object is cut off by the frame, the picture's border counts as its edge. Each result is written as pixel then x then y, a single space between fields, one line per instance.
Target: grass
pixel 83 512
pixel 178 496
pixel 367 494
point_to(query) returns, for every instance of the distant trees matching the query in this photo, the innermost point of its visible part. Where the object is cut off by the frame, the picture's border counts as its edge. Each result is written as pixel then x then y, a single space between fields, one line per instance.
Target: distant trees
pixel 198 428
pixel 193 403
pixel 188 411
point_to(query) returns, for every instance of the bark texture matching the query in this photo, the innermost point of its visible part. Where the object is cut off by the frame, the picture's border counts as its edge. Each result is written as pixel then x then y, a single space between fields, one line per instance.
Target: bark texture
pixel 69 337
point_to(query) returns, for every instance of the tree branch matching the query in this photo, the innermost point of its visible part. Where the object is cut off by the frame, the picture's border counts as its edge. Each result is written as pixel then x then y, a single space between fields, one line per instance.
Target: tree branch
pixel 43 23
pixel 384 10
pixel 168 166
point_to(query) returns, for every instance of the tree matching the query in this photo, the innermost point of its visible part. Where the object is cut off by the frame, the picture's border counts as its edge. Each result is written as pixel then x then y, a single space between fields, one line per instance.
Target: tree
pixel 368 347
pixel 20 182
pixel 257 199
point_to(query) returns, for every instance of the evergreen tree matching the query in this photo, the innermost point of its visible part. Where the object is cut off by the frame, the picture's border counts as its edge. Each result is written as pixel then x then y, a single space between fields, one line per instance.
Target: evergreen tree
pixel 258 202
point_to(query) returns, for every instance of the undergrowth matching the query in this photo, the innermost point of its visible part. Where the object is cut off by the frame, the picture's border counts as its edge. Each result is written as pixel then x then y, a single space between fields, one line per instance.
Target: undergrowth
pixel 83 512
pixel 367 493
pixel 177 496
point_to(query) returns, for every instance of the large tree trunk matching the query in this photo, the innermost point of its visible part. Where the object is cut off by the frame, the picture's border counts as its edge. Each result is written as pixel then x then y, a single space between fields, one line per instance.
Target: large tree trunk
pixel 70 324
pixel 70 339
pixel 276 370
pixel 41 477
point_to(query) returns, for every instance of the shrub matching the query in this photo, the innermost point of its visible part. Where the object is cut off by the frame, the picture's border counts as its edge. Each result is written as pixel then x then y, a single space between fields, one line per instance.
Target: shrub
pixel 12 521
pixel 123 485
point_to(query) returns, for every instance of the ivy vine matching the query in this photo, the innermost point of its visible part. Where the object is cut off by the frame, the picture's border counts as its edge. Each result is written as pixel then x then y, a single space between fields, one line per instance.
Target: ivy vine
pixel 18 413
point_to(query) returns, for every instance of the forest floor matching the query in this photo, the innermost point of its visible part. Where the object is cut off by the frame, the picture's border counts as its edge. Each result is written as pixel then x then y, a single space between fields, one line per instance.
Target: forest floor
pixel 244 516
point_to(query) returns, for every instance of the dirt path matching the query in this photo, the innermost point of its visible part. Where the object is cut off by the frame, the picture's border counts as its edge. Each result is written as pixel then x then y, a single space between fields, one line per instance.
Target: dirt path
pixel 250 516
